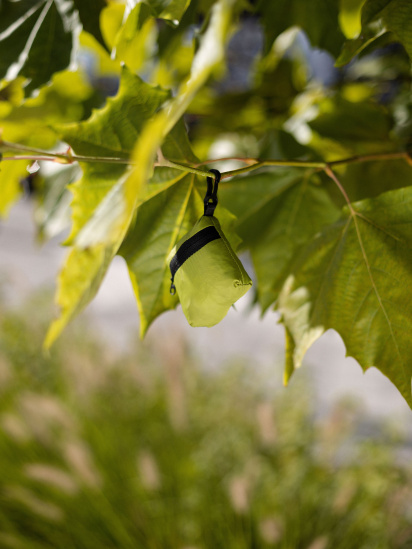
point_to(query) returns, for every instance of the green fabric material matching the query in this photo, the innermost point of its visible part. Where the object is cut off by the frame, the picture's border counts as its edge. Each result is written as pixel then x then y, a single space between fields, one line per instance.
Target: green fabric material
pixel 211 280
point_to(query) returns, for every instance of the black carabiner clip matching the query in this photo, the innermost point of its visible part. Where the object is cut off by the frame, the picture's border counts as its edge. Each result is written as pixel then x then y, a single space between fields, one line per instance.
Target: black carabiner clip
pixel 211 200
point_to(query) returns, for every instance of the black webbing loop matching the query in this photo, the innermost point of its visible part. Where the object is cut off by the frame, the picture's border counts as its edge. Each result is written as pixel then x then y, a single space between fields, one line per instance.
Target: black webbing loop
pixel 210 200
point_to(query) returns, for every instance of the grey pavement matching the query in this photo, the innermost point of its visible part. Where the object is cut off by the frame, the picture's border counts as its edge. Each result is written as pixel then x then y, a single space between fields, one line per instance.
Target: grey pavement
pixel 27 267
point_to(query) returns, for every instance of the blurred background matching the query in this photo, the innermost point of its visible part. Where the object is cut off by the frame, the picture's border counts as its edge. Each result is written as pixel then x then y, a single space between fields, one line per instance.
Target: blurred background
pixel 188 439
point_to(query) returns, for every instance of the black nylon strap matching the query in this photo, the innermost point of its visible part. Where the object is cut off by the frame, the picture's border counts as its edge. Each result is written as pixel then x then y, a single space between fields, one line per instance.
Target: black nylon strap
pixel 191 246
pixel 210 200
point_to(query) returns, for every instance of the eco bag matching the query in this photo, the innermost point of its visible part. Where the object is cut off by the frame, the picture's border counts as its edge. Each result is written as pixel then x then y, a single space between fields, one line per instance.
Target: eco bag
pixel 205 271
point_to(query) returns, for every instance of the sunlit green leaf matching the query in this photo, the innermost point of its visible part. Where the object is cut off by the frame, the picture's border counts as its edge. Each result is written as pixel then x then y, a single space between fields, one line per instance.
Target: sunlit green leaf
pixel 78 283
pixel 350 17
pixel 354 277
pixel 166 9
pixel 110 132
pixel 208 56
pixel 134 42
pixel 11 172
pixel 31 122
pixel 111 19
pixel 289 361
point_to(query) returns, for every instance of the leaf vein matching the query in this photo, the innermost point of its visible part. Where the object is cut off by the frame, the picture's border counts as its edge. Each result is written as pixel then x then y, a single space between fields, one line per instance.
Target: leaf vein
pixel 380 301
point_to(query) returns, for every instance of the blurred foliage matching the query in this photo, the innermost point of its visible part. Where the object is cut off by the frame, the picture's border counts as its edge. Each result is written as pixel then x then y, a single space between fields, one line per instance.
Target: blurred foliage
pixel 38 37
pixel 137 84
pixel 150 451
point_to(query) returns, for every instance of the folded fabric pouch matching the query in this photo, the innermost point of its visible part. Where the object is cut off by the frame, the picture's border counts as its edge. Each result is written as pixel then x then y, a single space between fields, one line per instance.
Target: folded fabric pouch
pixel 206 273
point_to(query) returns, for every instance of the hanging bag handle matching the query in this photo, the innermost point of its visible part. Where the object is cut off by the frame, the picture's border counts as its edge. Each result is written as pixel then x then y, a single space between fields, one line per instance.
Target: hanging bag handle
pixel 211 200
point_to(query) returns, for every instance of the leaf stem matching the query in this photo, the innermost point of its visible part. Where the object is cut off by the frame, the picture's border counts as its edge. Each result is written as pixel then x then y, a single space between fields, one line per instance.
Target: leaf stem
pixel 330 173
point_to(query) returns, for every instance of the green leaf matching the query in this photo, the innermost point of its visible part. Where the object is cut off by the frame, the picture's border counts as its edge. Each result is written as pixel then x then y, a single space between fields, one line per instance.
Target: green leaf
pixel 134 43
pixel 17 20
pixel 110 132
pixel 397 16
pixel 380 17
pixel 11 172
pixel 209 55
pixel 39 40
pixel 350 17
pixel 258 110
pixel 354 47
pixel 101 210
pixel 30 122
pixel 358 127
pixel 39 37
pixel 289 362
pixel 165 9
pixel 160 222
pixel 355 278
pixel 78 283
pixel 318 18
pixel 278 212
pixel 372 10
pixel 89 13
pixel 369 179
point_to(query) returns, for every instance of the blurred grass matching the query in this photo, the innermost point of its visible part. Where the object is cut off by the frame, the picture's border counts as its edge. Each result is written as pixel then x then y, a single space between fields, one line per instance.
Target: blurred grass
pixel 147 451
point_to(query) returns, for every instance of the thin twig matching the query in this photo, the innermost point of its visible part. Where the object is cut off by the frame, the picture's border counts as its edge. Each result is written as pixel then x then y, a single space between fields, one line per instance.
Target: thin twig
pixel 35 158
pixel 402 155
pixel 228 159
pixel 69 157
pixel 279 163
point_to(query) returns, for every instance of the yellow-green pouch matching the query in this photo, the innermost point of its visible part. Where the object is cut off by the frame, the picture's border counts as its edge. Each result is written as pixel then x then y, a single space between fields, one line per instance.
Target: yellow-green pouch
pixel 206 273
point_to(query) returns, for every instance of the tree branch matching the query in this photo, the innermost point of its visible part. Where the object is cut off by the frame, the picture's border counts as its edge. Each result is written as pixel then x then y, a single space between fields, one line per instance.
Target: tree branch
pixel 69 157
